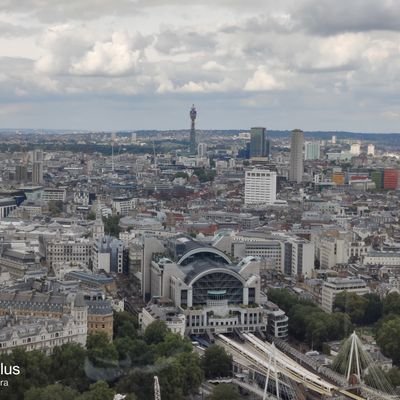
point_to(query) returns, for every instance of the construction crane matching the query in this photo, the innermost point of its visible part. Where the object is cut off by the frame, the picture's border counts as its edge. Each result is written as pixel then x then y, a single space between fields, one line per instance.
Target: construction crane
pixel 157 394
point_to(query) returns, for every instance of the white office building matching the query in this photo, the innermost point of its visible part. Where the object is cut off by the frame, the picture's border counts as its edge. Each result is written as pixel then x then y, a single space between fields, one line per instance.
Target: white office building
pixel 54 194
pixel 371 150
pixel 355 149
pixel 312 151
pixel 260 186
pixel 287 254
pixel 202 149
pixel 123 205
pixel 334 286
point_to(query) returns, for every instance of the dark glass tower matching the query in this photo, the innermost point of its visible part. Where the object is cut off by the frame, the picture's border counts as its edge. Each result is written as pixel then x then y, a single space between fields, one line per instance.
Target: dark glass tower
pixel 193 142
pixel 258 142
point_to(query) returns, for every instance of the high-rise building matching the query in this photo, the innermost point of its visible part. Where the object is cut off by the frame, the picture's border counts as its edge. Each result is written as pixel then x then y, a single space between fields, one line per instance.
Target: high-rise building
pixel 37 173
pixel 333 139
pixel 302 258
pixel 296 167
pixel 193 140
pixel 355 149
pixel 312 151
pixel 21 173
pixel 258 142
pixel 202 150
pixel 371 150
pixel 260 186
pixel 268 148
pixel 37 167
pixel 37 156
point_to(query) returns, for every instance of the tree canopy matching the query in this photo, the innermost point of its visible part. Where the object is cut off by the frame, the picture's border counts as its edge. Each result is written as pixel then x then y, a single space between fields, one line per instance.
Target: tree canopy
pixel 111 225
pixel 127 366
pixel 388 339
pixel 155 332
pixel 307 322
pixel 352 304
pixel 217 362
pixel 225 391
pixel 391 304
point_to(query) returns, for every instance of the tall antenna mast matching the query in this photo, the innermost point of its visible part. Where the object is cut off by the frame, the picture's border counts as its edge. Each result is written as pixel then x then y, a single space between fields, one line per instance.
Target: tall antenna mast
pixel 113 136
pixel 193 140
pixel 154 156
pixel 112 156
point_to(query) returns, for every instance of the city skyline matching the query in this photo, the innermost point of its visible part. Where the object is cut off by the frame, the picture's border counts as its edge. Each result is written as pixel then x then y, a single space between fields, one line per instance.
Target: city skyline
pixel 199 200
pixel 114 66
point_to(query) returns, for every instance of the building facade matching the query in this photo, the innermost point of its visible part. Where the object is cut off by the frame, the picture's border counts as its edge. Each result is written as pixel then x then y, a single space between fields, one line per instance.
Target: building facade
pixel 390 179
pixel 312 151
pixel 42 332
pixel 123 205
pixel 7 206
pixel 65 251
pixel 212 294
pixel 332 287
pixel 260 187
pixel 98 312
pixel 37 167
pixel 258 142
pixel 54 194
pixel 296 167
pixel 109 255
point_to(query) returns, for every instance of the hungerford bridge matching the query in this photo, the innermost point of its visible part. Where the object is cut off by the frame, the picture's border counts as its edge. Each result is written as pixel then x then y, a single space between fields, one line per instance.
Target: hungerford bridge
pixel 285 379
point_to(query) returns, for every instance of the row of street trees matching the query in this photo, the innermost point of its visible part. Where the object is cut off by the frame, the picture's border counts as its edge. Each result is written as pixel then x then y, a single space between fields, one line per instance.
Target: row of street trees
pixel 308 323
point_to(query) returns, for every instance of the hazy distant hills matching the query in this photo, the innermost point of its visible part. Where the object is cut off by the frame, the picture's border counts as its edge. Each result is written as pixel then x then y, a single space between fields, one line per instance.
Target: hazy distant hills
pixel 384 138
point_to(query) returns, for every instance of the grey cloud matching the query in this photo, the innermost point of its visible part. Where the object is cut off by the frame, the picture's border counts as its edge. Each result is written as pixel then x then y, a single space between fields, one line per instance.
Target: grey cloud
pixel 183 41
pixel 326 17
pixel 11 30
pixel 17 79
pixel 322 17
pixel 282 22
pixel 61 10
pixel 307 61
pixel 52 11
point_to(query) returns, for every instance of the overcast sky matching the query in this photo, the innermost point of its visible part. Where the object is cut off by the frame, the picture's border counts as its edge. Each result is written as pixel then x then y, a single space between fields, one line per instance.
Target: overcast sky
pixel 140 64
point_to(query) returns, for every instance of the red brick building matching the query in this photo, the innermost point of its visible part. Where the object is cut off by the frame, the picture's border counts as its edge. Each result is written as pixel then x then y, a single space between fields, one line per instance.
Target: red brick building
pixel 390 179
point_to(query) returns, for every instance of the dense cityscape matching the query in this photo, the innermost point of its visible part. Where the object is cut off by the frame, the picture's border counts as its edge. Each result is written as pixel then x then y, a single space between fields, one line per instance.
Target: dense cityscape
pixel 157 251
pixel 199 200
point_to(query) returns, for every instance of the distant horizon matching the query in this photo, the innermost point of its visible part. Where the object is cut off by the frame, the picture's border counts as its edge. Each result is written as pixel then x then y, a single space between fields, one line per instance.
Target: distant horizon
pixel 72 130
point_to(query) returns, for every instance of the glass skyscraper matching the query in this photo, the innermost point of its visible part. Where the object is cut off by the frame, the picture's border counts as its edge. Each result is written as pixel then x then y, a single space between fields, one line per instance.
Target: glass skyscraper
pixel 259 147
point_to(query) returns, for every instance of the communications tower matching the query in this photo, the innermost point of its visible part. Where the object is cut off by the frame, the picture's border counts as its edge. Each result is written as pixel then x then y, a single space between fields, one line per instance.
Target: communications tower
pixel 193 142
